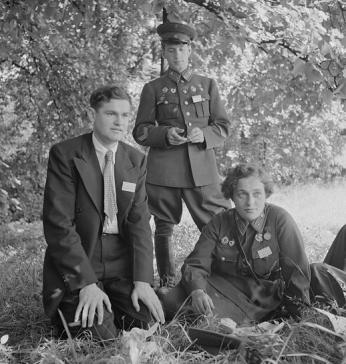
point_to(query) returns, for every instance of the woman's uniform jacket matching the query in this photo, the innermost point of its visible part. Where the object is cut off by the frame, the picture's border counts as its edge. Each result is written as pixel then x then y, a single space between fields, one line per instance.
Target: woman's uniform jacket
pixel 73 216
pixel 277 254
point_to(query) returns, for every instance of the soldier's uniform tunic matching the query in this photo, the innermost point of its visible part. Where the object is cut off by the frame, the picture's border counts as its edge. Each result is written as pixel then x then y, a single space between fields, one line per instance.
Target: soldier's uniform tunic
pixel 187 171
pixel 190 103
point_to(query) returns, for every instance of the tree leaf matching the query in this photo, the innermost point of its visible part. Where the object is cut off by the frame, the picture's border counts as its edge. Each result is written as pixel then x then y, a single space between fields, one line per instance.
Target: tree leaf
pixel 4 339
pixel 299 67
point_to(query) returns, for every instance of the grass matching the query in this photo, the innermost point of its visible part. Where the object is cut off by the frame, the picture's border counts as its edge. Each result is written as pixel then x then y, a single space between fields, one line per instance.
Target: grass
pixel 320 211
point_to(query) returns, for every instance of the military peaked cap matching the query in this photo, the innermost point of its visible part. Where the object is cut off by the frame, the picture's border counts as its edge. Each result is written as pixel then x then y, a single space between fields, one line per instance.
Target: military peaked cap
pixel 176 32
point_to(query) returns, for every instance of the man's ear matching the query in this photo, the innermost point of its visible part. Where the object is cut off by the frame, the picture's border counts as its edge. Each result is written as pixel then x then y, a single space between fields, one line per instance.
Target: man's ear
pixel 163 50
pixel 91 114
pixel 190 50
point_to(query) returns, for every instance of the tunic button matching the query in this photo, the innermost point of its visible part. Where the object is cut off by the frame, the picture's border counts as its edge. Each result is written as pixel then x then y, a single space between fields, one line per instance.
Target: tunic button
pixel 186 102
pixel 181 81
pixel 188 114
pixel 166 102
pixel 223 259
pixel 189 124
pixel 185 91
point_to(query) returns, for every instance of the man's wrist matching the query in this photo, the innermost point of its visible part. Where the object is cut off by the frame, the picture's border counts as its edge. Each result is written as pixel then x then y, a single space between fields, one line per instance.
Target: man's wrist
pixel 136 283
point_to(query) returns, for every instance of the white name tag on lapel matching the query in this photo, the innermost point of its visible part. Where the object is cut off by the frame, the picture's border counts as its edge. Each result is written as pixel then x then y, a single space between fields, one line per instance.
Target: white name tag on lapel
pixel 196 98
pixel 129 187
pixel 265 252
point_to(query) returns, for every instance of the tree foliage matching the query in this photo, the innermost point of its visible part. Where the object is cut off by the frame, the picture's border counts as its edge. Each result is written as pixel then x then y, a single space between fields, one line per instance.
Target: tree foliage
pixel 280 66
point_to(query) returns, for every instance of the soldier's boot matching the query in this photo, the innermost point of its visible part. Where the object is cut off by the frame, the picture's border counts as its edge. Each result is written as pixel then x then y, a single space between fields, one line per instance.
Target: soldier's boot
pixel 165 260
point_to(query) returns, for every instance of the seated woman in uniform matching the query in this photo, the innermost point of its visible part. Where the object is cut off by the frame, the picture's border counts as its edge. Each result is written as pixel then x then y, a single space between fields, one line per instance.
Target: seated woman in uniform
pixel 248 261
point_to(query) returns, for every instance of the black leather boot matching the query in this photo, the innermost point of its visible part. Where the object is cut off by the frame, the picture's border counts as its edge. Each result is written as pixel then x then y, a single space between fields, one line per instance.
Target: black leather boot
pixel 165 260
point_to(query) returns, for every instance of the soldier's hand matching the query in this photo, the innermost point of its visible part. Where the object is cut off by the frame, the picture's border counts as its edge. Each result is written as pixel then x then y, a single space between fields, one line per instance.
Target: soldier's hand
pixel 195 136
pixel 201 302
pixel 174 137
pixel 91 300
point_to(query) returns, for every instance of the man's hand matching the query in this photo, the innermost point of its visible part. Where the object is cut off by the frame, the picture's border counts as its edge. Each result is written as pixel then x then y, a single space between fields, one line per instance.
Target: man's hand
pixel 201 302
pixel 195 136
pixel 144 292
pixel 91 300
pixel 174 137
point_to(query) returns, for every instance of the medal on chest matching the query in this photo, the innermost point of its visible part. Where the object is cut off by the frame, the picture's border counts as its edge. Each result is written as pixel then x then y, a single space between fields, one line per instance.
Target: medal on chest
pixel 225 241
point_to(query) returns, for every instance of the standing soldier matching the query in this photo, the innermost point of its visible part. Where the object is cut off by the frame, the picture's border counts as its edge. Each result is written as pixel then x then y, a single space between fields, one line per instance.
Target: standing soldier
pixel 182 119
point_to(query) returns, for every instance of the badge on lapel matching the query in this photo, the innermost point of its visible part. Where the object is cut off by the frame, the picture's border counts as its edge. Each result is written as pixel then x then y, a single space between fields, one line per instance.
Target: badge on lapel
pixel 265 252
pixel 128 187
pixel 196 98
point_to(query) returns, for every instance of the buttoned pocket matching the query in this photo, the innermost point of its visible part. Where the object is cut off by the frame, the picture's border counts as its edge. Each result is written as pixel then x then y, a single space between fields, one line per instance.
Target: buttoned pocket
pixel 167 108
pixel 265 257
pixel 202 107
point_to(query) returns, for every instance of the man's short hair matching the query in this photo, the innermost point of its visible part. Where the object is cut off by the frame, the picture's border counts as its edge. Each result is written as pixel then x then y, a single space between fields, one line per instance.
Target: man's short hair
pixel 107 93
pixel 244 170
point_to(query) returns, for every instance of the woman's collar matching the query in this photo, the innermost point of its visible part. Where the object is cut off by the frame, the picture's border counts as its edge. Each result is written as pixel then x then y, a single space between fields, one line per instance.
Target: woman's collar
pixel 257 224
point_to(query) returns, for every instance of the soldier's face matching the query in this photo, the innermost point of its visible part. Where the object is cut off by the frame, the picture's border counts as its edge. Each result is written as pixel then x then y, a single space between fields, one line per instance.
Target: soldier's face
pixel 111 120
pixel 249 198
pixel 177 56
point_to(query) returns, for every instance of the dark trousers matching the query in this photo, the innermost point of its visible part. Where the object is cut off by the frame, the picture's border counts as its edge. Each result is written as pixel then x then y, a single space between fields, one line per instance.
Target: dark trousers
pixel 166 204
pixel 336 255
pixel 112 264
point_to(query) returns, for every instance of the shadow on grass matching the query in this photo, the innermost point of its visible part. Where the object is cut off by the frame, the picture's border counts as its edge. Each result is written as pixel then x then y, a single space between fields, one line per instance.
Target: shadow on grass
pixel 31 338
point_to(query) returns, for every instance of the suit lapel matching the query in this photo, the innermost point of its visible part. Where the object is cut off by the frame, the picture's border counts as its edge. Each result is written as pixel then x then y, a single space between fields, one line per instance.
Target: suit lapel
pixel 89 169
pixel 124 171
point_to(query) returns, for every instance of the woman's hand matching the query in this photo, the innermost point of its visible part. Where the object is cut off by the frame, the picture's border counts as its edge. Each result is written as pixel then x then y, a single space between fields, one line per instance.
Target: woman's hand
pixel 201 302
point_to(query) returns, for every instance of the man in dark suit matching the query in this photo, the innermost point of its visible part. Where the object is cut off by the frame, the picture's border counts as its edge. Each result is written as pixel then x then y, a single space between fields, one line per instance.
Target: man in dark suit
pixel 182 119
pixel 98 265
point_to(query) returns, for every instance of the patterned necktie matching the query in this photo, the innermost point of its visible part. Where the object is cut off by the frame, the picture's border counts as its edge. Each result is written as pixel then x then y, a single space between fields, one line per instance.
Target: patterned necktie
pixel 110 201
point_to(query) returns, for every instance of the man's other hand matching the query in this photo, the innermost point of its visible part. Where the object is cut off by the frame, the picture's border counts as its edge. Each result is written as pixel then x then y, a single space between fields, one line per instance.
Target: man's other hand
pixel 91 301
pixel 144 292
pixel 174 137
pixel 195 136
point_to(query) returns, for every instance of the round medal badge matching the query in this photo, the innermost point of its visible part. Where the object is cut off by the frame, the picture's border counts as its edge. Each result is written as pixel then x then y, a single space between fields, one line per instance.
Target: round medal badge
pixel 259 237
pixel 231 243
pixel 224 240
pixel 267 235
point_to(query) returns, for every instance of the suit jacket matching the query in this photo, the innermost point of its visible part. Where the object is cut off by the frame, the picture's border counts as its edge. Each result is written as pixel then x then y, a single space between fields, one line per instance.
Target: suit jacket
pixel 185 102
pixel 73 215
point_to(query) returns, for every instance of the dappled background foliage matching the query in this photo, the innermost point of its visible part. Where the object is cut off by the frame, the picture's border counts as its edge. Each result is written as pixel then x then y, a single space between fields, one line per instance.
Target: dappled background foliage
pixel 280 66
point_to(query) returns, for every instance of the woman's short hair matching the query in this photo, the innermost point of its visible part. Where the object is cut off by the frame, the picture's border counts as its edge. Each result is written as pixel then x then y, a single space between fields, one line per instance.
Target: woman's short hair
pixel 244 170
pixel 106 94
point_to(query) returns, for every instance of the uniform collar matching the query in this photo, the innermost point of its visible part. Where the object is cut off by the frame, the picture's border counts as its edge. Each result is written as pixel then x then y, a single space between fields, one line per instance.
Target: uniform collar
pixel 257 224
pixel 176 76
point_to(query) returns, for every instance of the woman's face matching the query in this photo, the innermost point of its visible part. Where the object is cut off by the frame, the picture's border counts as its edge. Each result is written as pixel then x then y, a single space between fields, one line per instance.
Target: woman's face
pixel 249 198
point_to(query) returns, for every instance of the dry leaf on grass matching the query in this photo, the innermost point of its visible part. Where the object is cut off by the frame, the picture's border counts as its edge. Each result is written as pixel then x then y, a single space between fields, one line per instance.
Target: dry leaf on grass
pixel 338 322
pixel 134 344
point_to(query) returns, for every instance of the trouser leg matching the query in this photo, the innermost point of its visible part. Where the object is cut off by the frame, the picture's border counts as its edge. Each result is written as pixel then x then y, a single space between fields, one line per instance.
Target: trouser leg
pixel 106 331
pixel 165 204
pixel 325 282
pixel 336 255
pixel 204 202
pixel 174 302
pixel 125 316
pixel 165 260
